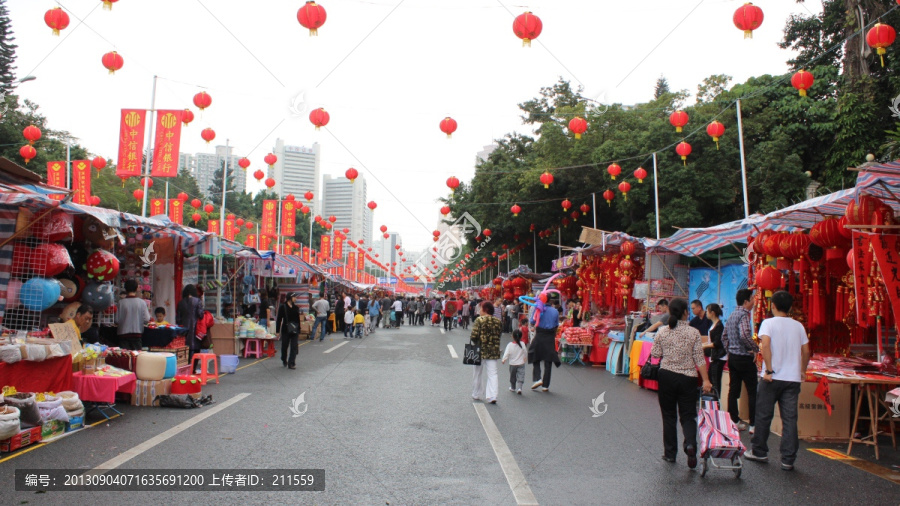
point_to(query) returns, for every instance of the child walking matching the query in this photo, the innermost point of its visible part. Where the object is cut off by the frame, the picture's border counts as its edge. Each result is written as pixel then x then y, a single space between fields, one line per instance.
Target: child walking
pixel 348 324
pixel 517 355
pixel 359 321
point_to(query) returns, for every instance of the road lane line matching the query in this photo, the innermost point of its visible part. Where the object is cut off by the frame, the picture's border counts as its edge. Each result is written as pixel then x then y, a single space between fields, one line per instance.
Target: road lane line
pixel 329 350
pixel 150 443
pixel 514 476
pixel 452 351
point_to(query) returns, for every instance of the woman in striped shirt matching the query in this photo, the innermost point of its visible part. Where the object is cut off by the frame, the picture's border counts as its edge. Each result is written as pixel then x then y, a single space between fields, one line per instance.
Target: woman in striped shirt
pixel 681 352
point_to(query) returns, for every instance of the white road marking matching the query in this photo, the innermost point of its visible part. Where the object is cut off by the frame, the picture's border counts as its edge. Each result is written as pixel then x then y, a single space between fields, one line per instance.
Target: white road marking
pixel 150 443
pixel 329 350
pixel 452 351
pixel 514 476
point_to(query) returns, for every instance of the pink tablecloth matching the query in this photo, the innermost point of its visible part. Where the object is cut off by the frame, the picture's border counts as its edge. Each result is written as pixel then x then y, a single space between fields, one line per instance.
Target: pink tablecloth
pixel 94 388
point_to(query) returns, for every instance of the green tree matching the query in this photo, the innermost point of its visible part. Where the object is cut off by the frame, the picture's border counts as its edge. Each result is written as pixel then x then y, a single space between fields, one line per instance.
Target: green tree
pixel 7 51
pixel 661 88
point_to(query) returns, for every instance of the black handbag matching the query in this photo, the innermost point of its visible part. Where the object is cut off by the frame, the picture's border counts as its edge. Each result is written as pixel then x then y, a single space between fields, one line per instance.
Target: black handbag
pixel 650 371
pixel 292 328
pixel 472 354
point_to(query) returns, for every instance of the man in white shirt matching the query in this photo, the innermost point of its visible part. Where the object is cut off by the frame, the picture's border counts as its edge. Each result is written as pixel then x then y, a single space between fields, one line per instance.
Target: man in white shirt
pixel 785 351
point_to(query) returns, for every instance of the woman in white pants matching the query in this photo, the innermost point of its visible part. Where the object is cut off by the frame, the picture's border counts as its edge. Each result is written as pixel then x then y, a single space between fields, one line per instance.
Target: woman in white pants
pixel 486 332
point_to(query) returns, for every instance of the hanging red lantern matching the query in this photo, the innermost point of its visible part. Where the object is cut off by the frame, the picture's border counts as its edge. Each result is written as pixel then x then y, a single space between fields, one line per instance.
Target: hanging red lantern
pixel 146 182
pixel 57 19
pixel 609 195
pixel 138 195
pixel 208 134
pixel 202 100
pixel 578 126
pixel 31 133
pixel 386 236
pixel 625 187
pixel 585 208
pixel 640 174
pixel 270 160
pixel 748 17
pixel 304 209
pixel 187 116
pixel 112 61
pixel 445 210
pixel 515 209
pixel 715 130
pixel 565 223
pixel 566 204
pixel 678 119
pixel 452 183
pixel 289 197
pixel 527 27
pixel 95 200
pixel 239 222
pixel 436 233
pixel 196 217
pixel 98 163
pixel 575 215
pixel 312 17
pixel 769 279
pixel 448 126
pixel 351 174
pixel 332 219
pixel 860 213
pixel 244 163
pixel 27 152
pixel 487 232
pixel 259 175
pixel 319 117
pixel 546 179
pixel 196 203
pixel 627 248
pixel 383 228
pixel 683 149
pixel 614 170
pixel 372 205
pixel 229 216
pixel 182 197
pixel 270 183
pixel 802 80
pixel 880 36
pixel 308 196
pixel 208 208
pixel 827 234
pixel 249 225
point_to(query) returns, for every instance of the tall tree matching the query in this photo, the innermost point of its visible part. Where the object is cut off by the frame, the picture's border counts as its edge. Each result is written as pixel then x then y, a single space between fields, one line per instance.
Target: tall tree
pixel 7 51
pixel 662 87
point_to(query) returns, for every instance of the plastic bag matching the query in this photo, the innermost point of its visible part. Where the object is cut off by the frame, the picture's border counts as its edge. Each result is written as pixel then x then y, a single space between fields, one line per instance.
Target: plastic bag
pixel 35 352
pixel 10 353
pixel 54 351
pixel 9 422
pixel 52 409
pixel 182 401
pixel 29 415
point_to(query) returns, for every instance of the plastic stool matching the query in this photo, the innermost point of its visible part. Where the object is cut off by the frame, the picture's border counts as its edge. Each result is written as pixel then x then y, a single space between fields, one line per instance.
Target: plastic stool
pixel 255 350
pixel 204 359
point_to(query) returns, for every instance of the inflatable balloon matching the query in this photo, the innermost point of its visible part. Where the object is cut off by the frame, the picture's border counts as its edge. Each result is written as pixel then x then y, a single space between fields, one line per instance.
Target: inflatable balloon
pixel 21 259
pixel 58 226
pixel 102 265
pixel 38 294
pixel 98 295
pixel 50 259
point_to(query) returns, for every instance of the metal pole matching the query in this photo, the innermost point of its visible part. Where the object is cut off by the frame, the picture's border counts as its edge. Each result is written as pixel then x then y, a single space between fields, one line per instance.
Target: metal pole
pixel 149 150
pixel 222 230
pixel 558 243
pixel 167 196
pixel 594 208
pixel 743 160
pixel 656 194
pixel 534 241
pixel 68 163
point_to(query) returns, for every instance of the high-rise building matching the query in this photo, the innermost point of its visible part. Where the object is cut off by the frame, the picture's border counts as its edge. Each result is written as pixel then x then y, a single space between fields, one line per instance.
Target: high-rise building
pixel 346 201
pixel 297 171
pixel 203 167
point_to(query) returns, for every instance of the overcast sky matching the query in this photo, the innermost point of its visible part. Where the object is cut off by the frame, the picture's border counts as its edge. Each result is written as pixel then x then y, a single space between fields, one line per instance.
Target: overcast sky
pixel 386 90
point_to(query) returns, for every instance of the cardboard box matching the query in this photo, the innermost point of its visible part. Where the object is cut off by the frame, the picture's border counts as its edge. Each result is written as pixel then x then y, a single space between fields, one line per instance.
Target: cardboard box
pixel 52 428
pixel 21 440
pixel 223 346
pixel 812 418
pixel 75 423
pixel 145 392
pixel 306 327
pixel 222 331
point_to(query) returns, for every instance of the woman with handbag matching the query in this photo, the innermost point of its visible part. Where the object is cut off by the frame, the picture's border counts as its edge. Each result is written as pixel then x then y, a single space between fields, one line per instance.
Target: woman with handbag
pixel 718 357
pixel 680 351
pixel 486 333
pixel 187 312
pixel 287 324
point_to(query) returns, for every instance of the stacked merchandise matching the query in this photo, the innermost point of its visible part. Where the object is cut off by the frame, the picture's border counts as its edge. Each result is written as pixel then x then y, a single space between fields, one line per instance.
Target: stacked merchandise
pixel 74 409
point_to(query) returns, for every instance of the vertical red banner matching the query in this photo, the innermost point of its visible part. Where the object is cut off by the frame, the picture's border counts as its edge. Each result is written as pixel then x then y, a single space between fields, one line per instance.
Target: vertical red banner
pixel 176 211
pixel 326 247
pixel 860 273
pixel 269 218
pixel 168 140
pixel 306 255
pixel 250 241
pixel 157 207
pixel 213 226
pixel 81 181
pixel 265 242
pixel 131 142
pixel 351 265
pixel 338 247
pixel 288 249
pixel 361 262
pixel 229 229
pixel 886 254
pixel 56 176
pixel 288 218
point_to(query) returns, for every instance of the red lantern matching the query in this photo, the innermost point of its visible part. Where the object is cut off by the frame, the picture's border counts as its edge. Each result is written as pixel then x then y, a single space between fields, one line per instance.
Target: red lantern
pixel 259 175
pixel 383 228
pixel 57 19
pixel 565 223
pixel 577 126
pixel 861 213
pixel 28 152
pixel 640 174
pixel 202 100
pixel 445 210
pixel 715 130
pixel 95 200
pixel 239 222
pixel 748 17
pixel 527 27
pixel 308 196
pixel 387 235
pixel 196 217
pixel 625 187
pixel 627 248
pixel 487 232
pixel 311 16
pixel 31 133
pixel 208 208
pixel 515 209
pixel 769 279
pixel 546 179
pixel 270 183
pixel 244 163
pixel 319 117
pixel 566 204
pixel 372 205
pixel 196 203
pixel 880 36
pixel 187 116
pixel 289 197
pixel 614 170
pixel 248 225
pixel 304 209
pixel 436 233
pixel 351 174
pixel 609 195
pixel 683 149
pixel 827 234
pixel 448 126
pixel 452 183
pixel 678 119
pixel 585 208
pixel 112 61
pixel 802 80
pixel 98 163
pixel 138 195
pixel 182 197
pixel 208 134
pixel 575 215
pixel 147 181
pixel 332 219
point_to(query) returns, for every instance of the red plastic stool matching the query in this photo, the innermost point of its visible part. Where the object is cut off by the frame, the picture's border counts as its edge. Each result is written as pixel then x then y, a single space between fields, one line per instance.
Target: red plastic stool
pixel 255 350
pixel 269 347
pixel 204 359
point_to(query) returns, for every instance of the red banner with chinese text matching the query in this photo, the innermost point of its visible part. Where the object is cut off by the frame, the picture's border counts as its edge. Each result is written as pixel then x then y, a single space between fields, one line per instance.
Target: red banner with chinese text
pixel 338 247
pixel 56 176
pixel 157 207
pixel 288 250
pixel 168 140
pixel 326 247
pixel 265 242
pixel 269 218
pixel 361 262
pixel 888 257
pixel 213 226
pixel 860 273
pixel 250 241
pixel 176 211
pixel 306 255
pixel 288 218
pixel 131 142
pixel 229 229
pixel 81 182
pixel 351 266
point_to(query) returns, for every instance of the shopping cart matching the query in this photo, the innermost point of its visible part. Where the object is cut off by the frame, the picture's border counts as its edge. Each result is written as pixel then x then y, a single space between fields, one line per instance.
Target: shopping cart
pixel 719 437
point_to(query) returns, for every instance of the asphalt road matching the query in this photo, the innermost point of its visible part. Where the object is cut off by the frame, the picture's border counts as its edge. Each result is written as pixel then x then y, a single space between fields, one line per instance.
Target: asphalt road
pixel 391 421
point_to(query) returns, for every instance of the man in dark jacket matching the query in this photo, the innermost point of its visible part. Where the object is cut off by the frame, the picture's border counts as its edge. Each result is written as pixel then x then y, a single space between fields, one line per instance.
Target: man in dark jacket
pixel 288 325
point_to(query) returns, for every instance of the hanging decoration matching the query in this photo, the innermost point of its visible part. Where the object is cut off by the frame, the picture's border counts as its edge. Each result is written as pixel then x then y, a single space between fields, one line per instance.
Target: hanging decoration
pixel 575 215
pixel 112 61
pixel 208 134
pixel 515 209
pixel 566 204
pixel 196 203
pixel 802 80
pixel 453 183
pixel 679 119
pixel 879 37
pixel 625 187
pixel 57 19
pixel 614 170
pixel 584 209
pixel 609 195
pixel 107 4
pixel 448 126
pixel 244 163
pixel 715 130
pixel 208 208
pixel 527 27
pixel 259 175
pixel 351 174
pixel 372 205
pixel 319 117
pixel 146 182
pixel 187 116
pixel 31 134
pixel 683 149
pixel 182 197
pixel 270 183
pixel 138 195
pixel 640 174
pixel 546 179
pixel 748 17
pixel 95 200
pixel 308 196
pixel 28 152
pixel 202 100
pixel 270 160
pixel 445 210
pixel 98 163
pixel 312 17
pixel 578 126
